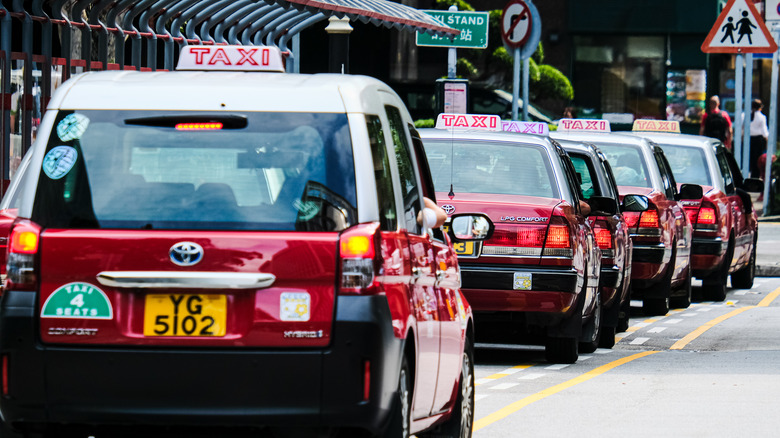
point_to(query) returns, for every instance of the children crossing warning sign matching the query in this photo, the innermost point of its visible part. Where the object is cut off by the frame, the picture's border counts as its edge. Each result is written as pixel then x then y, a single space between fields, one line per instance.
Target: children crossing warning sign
pixel 739 29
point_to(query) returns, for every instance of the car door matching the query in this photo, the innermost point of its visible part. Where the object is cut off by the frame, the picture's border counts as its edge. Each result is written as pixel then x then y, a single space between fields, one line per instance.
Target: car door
pixel 741 206
pixel 425 303
pixel 447 290
pixel 682 230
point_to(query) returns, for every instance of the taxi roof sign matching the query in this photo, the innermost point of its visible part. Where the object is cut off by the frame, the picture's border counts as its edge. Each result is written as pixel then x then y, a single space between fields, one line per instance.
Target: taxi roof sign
pixel 231 58
pixel 539 128
pixel 671 126
pixel 483 122
pixel 584 125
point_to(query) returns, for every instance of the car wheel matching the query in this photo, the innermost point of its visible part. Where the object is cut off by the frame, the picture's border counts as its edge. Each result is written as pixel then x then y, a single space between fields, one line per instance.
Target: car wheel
pixel 743 279
pixel 561 350
pixel 591 332
pixel 625 313
pixel 714 285
pixel 682 301
pixel 402 409
pixel 607 338
pixel 461 421
pixel 655 306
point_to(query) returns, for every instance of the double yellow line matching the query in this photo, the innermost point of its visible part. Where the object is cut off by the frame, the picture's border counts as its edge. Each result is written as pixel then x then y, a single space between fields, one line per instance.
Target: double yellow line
pixel 520 404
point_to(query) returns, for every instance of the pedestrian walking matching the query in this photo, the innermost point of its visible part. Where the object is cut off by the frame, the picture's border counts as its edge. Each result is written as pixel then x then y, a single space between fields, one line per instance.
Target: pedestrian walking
pixel 716 123
pixel 729 29
pixel 744 25
pixel 759 132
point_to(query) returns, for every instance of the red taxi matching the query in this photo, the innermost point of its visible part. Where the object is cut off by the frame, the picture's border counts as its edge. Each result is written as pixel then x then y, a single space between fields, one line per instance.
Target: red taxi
pixel 662 234
pixel 537 278
pixel 198 251
pixel 725 225
pixel 612 235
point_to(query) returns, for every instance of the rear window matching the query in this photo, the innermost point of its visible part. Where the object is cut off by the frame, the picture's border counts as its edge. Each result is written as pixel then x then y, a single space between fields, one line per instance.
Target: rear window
pixel 496 168
pixel 588 178
pixel 628 165
pixel 165 170
pixel 689 165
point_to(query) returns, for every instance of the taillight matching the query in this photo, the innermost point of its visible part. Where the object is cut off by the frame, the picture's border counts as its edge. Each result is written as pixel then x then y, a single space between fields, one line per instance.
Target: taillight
pixel 644 226
pixel 516 240
pixel 649 219
pixel 22 252
pixel 707 219
pixel 558 243
pixel 357 251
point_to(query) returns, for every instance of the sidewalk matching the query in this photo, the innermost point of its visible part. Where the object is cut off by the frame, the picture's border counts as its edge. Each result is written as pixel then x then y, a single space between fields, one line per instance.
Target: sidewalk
pixel 768 249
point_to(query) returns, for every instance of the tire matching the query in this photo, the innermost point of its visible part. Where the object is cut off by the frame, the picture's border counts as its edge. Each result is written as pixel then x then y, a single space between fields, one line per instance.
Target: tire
pixel 660 306
pixel 400 417
pixel 684 301
pixel 461 422
pixel 591 332
pixel 607 338
pixel 625 313
pixel 714 285
pixel 655 306
pixel 561 350
pixel 743 279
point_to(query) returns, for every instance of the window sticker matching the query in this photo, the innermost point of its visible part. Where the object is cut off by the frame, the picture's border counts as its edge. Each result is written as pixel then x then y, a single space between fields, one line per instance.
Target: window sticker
pixel 77 301
pixel 306 210
pixel 295 306
pixel 72 127
pixel 58 161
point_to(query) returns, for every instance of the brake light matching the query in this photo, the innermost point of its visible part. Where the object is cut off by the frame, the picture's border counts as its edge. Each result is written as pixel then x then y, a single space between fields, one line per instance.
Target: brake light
pixel 603 235
pixel 515 240
pixel 359 261
pixel 22 252
pixel 649 219
pixel 706 216
pixel 210 126
pixel 558 243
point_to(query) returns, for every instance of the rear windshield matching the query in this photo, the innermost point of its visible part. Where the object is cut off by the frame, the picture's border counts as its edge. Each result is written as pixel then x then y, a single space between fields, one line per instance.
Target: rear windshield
pixel 496 168
pixel 182 170
pixel 689 165
pixel 628 165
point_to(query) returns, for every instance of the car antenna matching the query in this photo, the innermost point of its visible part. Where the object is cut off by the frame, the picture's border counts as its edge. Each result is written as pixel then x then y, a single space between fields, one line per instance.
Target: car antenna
pixel 451 194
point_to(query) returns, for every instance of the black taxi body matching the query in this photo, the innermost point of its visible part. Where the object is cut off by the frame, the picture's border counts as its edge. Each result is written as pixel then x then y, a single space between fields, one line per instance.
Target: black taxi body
pixel 725 224
pixel 206 250
pixel 539 273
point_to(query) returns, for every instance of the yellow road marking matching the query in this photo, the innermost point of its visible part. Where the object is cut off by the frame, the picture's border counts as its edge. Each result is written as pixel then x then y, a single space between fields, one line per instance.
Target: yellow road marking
pixel 520 404
pixel 679 345
pixel 500 375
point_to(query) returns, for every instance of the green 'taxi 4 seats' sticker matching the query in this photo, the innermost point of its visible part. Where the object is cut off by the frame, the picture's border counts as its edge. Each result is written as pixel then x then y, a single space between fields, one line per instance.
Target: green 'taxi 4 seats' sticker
pixel 79 301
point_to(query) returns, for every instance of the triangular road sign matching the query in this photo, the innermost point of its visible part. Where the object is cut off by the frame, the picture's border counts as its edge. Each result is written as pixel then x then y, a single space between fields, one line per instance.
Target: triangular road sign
pixel 739 29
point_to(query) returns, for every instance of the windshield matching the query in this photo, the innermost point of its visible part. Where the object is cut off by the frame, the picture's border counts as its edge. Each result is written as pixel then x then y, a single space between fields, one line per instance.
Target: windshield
pixel 496 168
pixel 628 165
pixel 689 165
pixel 166 170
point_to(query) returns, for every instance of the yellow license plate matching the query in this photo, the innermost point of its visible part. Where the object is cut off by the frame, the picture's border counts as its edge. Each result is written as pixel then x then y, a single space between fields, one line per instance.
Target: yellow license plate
pixel 463 248
pixel 185 315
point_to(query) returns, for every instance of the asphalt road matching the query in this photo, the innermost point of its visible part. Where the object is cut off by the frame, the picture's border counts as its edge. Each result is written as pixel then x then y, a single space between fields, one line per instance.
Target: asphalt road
pixel 712 370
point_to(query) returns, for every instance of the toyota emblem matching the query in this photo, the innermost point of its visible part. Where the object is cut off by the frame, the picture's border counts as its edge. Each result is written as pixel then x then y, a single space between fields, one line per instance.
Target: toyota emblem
pixel 448 208
pixel 186 253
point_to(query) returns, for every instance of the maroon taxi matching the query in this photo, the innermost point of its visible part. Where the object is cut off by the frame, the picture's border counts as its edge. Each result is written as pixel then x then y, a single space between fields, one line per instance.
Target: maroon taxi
pixel 725 224
pixel 662 234
pixel 537 278
pixel 230 250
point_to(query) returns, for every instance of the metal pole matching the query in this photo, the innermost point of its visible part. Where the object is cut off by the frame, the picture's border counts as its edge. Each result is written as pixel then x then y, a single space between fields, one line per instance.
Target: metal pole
pixel 772 140
pixel 526 78
pixel 738 96
pixel 748 112
pixel 515 84
pixel 452 56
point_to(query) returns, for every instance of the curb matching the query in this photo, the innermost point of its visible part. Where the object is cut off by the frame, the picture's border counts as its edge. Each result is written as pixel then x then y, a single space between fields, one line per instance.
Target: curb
pixel 769 219
pixel 767 270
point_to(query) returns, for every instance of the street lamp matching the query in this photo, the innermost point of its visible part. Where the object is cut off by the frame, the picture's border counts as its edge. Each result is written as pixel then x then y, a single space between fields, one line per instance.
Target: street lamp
pixel 338 30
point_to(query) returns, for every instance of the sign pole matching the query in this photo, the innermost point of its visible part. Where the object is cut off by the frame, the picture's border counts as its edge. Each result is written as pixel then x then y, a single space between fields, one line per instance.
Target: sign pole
pixel 526 76
pixel 772 140
pixel 515 84
pixel 452 55
pixel 737 122
pixel 748 112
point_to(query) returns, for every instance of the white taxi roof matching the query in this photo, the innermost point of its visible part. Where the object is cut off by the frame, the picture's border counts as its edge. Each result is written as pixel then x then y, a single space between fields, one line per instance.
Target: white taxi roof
pixel 219 91
pixel 679 139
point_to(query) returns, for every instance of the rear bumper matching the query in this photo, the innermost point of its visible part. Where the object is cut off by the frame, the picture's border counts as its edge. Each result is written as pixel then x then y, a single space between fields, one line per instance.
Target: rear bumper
pixel 649 263
pixel 490 288
pixel 707 255
pixel 202 387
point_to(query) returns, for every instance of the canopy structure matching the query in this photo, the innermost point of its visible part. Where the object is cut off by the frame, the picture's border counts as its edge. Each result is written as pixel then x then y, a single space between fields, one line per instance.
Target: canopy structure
pixel 72 36
pixel 246 22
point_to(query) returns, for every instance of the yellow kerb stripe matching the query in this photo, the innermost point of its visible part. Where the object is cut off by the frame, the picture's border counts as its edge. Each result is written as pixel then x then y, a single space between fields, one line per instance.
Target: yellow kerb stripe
pixel 520 404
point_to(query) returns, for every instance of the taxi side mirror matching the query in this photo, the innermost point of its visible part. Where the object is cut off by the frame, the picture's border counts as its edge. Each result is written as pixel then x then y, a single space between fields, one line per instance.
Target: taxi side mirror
pixel 690 191
pixel 635 203
pixel 470 227
pixel 754 185
pixel 602 206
